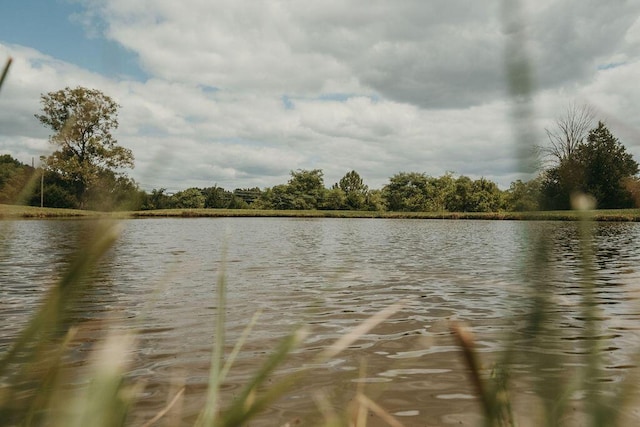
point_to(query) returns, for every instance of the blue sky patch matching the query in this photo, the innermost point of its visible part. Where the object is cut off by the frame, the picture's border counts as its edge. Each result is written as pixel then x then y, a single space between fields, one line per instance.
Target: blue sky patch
pixel 45 25
pixel 611 65
pixel 288 103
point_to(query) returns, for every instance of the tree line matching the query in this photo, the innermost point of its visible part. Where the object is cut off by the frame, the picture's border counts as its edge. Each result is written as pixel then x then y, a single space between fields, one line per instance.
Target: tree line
pixel 86 171
pixel 406 191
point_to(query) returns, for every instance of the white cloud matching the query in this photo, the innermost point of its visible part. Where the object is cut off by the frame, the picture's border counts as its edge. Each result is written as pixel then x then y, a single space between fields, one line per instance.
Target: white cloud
pixel 241 92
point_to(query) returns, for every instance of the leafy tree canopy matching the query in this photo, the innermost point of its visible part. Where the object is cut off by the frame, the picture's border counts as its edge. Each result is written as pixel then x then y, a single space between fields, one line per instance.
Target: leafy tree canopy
pixel 82 121
pixel 191 198
pixel 606 164
pixel 600 167
pixel 354 189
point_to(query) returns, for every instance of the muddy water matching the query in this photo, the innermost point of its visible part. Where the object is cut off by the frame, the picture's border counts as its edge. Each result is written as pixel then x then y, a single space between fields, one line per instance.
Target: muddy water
pixel 329 275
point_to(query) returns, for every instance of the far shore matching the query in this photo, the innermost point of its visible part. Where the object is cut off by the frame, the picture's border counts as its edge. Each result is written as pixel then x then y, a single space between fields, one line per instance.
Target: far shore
pixel 26 212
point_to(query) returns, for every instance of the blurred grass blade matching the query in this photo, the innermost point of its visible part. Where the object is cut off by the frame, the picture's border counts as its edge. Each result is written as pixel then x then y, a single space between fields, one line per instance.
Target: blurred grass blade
pixel 30 369
pixel 209 413
pixel 47 393
pixel 347 339
pixel 331 418
pixel 248 403
pixel 63 294
pixel 236 349
pixel 5 71
pixel 166 409
pixel 465 341
pixel 493 394
pixel 378 410
pixel 104 403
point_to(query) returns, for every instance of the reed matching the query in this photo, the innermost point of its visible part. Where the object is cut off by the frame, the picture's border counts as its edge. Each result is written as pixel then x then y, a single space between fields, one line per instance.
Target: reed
pixel 34 380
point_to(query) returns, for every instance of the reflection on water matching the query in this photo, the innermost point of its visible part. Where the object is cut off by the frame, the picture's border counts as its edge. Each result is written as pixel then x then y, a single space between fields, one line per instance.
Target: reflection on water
pixel 331 274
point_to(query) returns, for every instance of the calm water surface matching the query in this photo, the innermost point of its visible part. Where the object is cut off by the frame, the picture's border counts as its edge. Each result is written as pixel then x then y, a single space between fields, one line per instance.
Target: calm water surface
pixel 331 274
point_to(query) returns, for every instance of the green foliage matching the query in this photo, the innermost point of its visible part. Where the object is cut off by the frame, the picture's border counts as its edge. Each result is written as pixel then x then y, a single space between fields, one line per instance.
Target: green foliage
pixel 58 193
pixel 247 195
pixel 606 164
pixel 304 191
pixel 216 197
pixel 460 199
pixel 158 199
pixel 407 192
pixel 375 201
pixel 415 192
pixel 276 197
pixel 82 120
pixel 114 192
pixel 15 178
pixel 485 196
pixel 600 167
pixel 443 189
pixel 560 183
pixel 191 198
pixel 306 188
pixel 219 198
pixel 523 196
pixel 354 189
pixel 334 199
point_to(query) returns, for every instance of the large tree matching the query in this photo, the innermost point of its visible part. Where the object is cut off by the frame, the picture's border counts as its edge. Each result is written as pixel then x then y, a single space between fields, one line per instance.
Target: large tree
pixel 306 188
pixel 408 191
pixel 82 121
pixel 606 167
pixel 600 167
pixel 355 190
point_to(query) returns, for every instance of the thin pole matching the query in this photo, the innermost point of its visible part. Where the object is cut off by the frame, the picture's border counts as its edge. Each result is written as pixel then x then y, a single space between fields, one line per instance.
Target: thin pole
pixel 42 188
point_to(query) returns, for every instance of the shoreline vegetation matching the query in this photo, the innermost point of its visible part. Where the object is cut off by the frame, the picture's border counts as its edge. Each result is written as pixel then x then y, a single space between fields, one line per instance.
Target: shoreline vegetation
pixel 30 212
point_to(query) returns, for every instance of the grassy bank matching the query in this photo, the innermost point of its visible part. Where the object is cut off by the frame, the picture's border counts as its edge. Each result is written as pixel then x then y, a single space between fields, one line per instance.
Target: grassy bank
pixel 16 211
pixel 599 215
pixel 11 211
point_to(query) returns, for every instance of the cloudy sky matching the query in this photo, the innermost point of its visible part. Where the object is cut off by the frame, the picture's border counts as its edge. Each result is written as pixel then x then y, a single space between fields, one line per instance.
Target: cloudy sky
pixel 240 92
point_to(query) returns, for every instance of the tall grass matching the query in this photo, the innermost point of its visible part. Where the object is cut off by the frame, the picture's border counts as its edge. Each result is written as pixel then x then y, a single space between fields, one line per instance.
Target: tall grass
pixel 34 377
pixel 552 397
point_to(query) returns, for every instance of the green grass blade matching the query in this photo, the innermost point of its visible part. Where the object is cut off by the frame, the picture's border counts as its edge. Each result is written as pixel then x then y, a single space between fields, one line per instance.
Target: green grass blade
pixel 236 349
pixel 210 411
pixel 247 404
pixel 29 369
pixel 63 293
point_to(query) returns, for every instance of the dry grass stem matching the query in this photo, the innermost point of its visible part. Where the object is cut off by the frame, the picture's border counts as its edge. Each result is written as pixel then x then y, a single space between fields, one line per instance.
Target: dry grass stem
pixel 466 342
pixel 349 338
pixel 369 404
pixel 166 409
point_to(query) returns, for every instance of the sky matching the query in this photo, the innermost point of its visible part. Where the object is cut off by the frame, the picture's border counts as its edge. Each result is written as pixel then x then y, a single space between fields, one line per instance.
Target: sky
pixel 239 93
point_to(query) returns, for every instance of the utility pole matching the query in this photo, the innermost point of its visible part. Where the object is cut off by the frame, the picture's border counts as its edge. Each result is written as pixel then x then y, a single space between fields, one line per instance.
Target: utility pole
pixel 33 165
pixel 41 182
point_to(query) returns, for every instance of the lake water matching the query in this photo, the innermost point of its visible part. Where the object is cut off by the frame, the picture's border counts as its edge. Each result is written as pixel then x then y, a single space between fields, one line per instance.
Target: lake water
pixel 331 274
